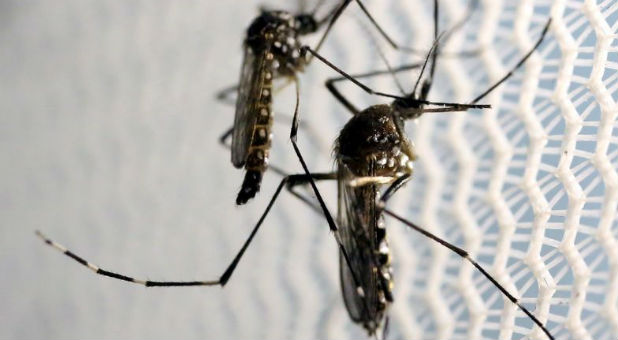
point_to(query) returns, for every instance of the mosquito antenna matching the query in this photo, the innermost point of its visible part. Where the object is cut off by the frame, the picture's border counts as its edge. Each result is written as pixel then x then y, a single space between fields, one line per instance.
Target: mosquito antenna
pixel 418 80
pixel 427 84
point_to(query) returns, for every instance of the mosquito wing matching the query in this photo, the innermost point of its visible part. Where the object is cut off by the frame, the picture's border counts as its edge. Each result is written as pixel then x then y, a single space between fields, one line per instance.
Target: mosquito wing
pixel 252 78
pixel 359 220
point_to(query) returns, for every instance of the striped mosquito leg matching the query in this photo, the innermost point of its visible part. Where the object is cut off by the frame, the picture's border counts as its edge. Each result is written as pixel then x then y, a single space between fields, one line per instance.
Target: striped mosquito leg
pixel 122 277
pixel 464 254
pixel 288 180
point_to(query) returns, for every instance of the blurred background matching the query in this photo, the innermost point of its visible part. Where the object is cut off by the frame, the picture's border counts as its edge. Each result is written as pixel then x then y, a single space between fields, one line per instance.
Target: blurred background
pixel 109 145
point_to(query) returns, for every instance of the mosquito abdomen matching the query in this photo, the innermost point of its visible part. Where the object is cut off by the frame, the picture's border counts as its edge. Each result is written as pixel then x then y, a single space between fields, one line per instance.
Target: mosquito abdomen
pixel 257 156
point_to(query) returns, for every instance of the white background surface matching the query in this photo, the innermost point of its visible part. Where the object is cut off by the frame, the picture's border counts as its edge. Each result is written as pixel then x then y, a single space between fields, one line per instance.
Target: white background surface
pixel 109 145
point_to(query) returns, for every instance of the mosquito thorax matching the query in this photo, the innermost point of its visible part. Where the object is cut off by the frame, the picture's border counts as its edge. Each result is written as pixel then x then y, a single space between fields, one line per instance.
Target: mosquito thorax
pixel 278 32
pixel 375 135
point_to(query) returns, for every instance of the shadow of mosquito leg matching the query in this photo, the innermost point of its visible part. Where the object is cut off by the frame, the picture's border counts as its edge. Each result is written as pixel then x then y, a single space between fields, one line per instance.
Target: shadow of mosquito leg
pixel 316 177
pixel 224 95
pixel 288 181
pixel 225 137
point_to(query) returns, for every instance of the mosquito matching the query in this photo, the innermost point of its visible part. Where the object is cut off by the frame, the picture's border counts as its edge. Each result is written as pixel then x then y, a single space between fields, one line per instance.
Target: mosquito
pixel 271 51
pixel 374 159
pixel 365 260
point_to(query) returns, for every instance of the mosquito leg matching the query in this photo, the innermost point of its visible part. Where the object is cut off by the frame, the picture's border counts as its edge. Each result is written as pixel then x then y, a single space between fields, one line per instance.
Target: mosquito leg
pixel 336 13
pixel 426 85
pixel 464 254
pixel 330 83
pixel 381 30
pixel 288 181
pixel 367 89
pixel 293 139
pixel 396 185
pixel 118 276
pixel 471 8
pixel 333 15
pixel 518 65
pixel 305 49
pixel 329 217
pixel 224 139
pixel 316 177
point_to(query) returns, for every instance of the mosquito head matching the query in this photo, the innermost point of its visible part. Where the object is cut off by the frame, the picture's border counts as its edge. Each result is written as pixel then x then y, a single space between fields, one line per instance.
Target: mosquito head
pixel 408 107
pixel 306 23
pixel 375 136
pixel 407 102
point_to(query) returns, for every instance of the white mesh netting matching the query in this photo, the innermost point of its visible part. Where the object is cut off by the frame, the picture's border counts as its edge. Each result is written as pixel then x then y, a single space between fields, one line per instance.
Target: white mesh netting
pixel 109 146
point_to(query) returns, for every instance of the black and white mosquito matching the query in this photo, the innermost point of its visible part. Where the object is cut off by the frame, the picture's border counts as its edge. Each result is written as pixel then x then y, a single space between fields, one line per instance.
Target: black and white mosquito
pixel 271 51
pixel 374 159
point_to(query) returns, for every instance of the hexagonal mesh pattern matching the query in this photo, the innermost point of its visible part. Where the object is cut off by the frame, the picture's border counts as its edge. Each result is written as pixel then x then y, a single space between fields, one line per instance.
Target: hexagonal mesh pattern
pixel 110 145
